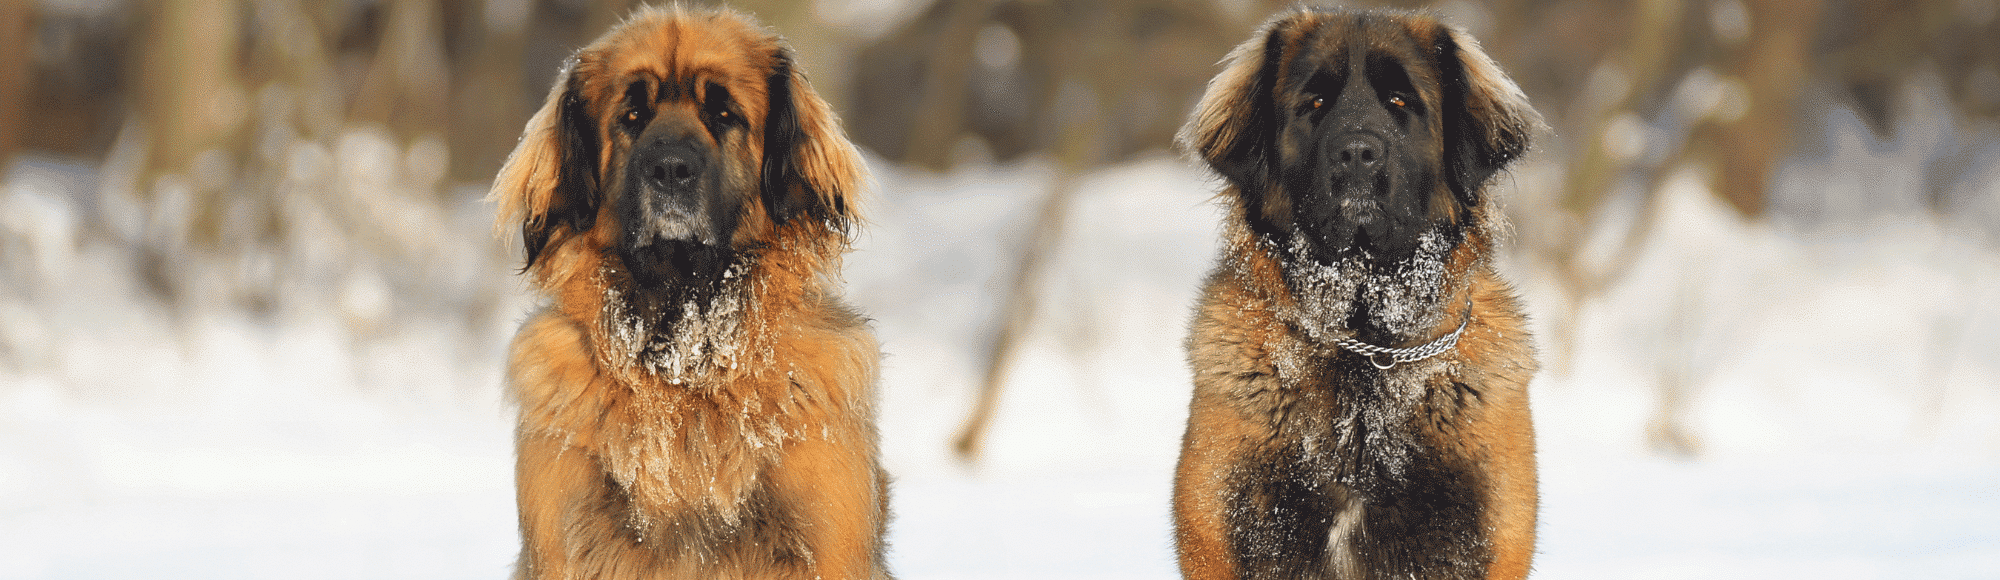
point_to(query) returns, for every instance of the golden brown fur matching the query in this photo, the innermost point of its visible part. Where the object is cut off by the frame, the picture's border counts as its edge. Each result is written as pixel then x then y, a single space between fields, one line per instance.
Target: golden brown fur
pixel 728 437
pixel 1302 459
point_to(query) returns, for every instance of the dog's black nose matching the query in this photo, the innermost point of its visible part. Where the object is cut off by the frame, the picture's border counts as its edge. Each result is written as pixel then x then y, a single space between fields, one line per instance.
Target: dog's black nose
pixel 1360 153
pixel 674 164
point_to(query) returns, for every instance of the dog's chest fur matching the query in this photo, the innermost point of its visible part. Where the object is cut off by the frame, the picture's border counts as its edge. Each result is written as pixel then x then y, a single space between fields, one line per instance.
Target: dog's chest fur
pixel 1355 473
pixel 686 406
pixel 1357 478
pixel 683 337
pixel 1385 303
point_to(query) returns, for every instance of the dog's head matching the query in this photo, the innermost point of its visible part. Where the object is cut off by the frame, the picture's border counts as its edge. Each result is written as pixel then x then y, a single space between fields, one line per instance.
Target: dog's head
pixel 677 142
pixel 1359 131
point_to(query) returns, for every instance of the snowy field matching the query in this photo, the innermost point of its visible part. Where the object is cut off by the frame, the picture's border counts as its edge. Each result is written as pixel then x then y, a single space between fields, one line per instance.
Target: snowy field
pixel 1841 371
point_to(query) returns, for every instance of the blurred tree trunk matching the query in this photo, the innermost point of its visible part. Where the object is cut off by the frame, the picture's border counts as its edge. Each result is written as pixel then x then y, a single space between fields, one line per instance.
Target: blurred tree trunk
pixel 407 82
pixel 823 51
pixel 188 87
pixel 1690 81
pixel 1750 131
pixel 192 101
pixel 1083 82
pixel 295 54
pixel 942 96
pixel 17 24
pixel 494 100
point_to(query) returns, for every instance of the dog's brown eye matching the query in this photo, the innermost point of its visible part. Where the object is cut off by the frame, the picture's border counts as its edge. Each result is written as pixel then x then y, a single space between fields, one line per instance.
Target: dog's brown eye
pixel 1398 101
pixel 632 115
pixel 717 102
pixel 1317 102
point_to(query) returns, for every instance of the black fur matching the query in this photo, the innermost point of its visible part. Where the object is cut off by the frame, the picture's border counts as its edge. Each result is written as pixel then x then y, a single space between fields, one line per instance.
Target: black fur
pixel 786 192
pixel 1476 146
pixel 672 169
pixel 1329 87
pixel 1249 160
pixel 1364 165
pixel 782 136
pixel 1422 510
pixel 1311 183
pixel 577 191
pixel 769 530
pixel 1280 514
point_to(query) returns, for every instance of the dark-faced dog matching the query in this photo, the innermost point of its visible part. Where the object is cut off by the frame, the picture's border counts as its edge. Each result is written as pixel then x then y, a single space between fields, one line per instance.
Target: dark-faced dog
pixel 1360 404
pixel 695 398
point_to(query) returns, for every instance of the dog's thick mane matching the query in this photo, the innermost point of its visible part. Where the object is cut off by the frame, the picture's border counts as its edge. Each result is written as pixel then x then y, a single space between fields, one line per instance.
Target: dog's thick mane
pixel 716 422
pixel 1403 300
pixel 697 337
pixel 1306 455
pixel 1350 294
pixel 682 337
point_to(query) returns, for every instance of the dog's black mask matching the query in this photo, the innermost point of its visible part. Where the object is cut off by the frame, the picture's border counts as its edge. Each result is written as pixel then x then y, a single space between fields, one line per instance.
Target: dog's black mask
pixel 678 211
pixel 678 224
pixel 1361 164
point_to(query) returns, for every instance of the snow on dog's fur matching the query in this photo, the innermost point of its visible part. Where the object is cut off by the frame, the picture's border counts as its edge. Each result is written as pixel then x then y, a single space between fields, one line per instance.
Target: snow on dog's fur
pixel 1356 148
pixel 695 398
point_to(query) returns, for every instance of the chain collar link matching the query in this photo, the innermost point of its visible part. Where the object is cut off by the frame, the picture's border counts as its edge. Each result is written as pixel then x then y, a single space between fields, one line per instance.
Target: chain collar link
pixel 1385 358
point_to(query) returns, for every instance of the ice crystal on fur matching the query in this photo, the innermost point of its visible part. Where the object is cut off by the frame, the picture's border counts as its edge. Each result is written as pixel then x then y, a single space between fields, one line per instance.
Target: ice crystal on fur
pixel 1404 299
pixel 692 347
pixel 704 338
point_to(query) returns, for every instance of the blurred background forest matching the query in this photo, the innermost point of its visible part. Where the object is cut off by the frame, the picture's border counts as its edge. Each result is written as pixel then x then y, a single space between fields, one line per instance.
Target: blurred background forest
pixel 206 202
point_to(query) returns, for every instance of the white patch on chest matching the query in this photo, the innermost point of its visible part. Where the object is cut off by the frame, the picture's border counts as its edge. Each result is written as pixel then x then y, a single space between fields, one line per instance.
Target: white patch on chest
pixel 1341 560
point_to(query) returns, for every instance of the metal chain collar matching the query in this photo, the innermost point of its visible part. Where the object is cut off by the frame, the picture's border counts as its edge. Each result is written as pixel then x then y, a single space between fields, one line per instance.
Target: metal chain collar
pixel 1385 358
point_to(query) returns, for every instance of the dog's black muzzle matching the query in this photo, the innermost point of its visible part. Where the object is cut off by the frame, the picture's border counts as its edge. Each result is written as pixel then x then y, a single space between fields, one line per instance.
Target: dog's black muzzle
pixel 1359 203
pixel 677 224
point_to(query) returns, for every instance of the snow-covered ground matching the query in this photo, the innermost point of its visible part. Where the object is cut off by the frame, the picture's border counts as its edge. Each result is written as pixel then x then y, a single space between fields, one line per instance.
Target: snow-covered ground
pixel 1841 381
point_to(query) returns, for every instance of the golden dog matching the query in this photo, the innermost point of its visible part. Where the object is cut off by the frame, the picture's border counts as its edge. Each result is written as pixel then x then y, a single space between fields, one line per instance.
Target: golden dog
pixel 1360 405
pixel 695 398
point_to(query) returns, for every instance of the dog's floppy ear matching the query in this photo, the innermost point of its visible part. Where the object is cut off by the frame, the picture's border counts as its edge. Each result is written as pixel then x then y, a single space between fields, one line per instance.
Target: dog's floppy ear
pixel 550 182
pixel 809 166
pixel 1488 120
pixel 1234 129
